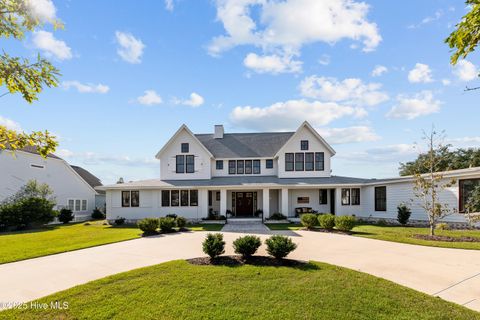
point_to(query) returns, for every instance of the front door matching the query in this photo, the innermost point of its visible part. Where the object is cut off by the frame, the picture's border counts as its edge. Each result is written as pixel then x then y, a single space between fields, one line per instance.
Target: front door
pixel 244 204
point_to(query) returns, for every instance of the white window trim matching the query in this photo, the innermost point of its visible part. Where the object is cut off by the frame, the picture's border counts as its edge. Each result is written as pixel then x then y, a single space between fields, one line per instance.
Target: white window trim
pixel 74 200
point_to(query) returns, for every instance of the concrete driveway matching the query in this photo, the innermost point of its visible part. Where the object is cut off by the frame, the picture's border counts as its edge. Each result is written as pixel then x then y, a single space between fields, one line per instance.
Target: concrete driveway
pixel 452 274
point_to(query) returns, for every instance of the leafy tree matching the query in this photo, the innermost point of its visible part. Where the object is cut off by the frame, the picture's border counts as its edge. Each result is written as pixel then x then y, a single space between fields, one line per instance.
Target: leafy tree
pixel 20 75
pixel 465 38
pixel 32 189
pixel 427 187
pixel 472 207
pixel 448 160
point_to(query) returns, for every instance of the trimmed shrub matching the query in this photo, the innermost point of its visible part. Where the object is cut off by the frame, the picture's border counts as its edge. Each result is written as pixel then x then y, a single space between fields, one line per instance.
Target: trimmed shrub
pixel 26 212
pixel 280 246
pixel 148 225
pixel 309 220
pixel 345 223
pixel 326 221
pixel 278 216
pixel 97 214
pixel 247 246
pixel 65 215
pixel 166 224
pixel 119 221
pixel 181 222
pixel 442 226
pixel 213 245
pixel 403 213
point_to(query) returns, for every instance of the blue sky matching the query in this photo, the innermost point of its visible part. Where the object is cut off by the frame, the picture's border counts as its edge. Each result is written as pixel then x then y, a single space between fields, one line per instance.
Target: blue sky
pixel 133 72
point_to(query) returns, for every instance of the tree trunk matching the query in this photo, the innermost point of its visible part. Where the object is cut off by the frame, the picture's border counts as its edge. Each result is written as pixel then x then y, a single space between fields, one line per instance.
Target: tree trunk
pixel 432 229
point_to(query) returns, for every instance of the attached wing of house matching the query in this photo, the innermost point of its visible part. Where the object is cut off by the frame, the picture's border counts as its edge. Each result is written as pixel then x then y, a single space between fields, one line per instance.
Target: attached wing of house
pixel 239 174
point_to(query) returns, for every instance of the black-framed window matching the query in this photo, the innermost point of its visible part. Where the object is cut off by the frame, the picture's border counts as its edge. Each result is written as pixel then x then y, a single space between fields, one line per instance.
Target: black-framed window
pixel 289 162
pixel 184 198
pixel 300 161
pixel 190 163
pixel 219 164
pixel 309 161
pixel 125 198
pixel 165 198
pixel 256 167
pixel 319 161
pixel 210 198
pixel 466 187
pixel 304 145
pixel 323 196
pixel 175 198
pixel 269 164
pixel 135 198
pixel 345 197
pixel 240 166
pixel 248 166
pixel 180 164
pixel 185 148
pixel 380 198
pixel 232 166
pixel 355 196
pixel 193 198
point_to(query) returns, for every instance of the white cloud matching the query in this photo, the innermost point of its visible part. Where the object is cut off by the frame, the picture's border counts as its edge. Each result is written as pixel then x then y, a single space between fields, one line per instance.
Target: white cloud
pixel 169 5
pixel 352 91
pixel 324 60
pixel 446 82
pixel 10 124
pixel 379 70
pixel 45 41
pixel 272 64
pixel 420 73
pixel 149 98
pixel 86 87
pixel 287 115
pixel 464 142
pixel 195 100
pixel 411 107
pixel 465 70
pixel 388 153
pixel 43 10
pixel 93 158
pixel 284 27
pixel 130 48
pixel 348 135
pixel 436 16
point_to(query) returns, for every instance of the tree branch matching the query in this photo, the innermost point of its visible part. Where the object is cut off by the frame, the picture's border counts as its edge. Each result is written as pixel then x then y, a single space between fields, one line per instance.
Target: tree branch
pixel 471 89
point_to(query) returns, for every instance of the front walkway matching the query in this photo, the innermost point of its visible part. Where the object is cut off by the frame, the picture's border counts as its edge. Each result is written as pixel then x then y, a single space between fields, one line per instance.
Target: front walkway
pixel 452 274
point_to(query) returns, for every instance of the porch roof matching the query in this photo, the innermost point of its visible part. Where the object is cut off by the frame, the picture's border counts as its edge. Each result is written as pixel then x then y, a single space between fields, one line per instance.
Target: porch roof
pixel 239 181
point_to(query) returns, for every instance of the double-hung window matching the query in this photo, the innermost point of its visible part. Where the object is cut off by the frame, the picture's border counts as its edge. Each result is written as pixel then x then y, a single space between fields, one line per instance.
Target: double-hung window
pixel 319 161
pixel 323 196
pixel 180 163
pixel 240 166
pixel 345 197
pixel 355 196
pixel 299 161
pixel 219 164
pixel 289 162
pixel 269 164
pixel 256 166
pixel 175 198
pixel 380 198
pixel 304 145
pixel 184 198
pixel 248 166
pixel 129 199
pixel 185 148
pixel 190 163
pixel 165 198
pixel 309 161
pixel 232 167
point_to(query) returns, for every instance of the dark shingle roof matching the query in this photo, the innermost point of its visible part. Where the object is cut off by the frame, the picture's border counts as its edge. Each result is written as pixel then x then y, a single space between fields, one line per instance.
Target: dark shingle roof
pixel 88 177
pixel 245 145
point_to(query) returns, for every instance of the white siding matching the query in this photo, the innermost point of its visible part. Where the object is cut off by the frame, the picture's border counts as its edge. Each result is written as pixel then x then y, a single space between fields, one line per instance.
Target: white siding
pixel 263 170
pixel 314 197
pixel 16 171
pixel 315 145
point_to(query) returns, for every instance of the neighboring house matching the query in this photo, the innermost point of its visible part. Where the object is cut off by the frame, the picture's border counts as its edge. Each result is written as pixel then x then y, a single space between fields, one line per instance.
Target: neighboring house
pixel 73 187
pixel 286 172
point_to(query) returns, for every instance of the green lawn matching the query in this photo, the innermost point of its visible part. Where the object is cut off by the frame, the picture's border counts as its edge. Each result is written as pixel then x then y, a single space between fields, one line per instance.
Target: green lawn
pixel 178 290
pixel 205 227
pixel 404 235
pixel 22 245
pixel 284 226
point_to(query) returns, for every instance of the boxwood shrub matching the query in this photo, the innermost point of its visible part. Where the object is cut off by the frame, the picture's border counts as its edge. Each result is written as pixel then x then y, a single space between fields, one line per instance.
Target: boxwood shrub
pixel 148 225
pixel 345 223
pixel 181 222
pixel 247 246
pixel 213 245
pixel 309 220
pixel 279 246
pixel 166 224
pixel 326 221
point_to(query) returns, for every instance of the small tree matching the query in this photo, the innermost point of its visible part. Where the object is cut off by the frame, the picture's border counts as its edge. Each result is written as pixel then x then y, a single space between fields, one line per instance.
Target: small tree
pixel 213 245
pixel 472 207
pixel 427 187
pixel 403 213
pixel 32 189
pixel 247 246
pixel 65 216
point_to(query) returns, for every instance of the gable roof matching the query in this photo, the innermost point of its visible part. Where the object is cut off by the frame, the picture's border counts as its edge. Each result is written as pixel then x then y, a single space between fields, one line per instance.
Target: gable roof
pixel 89 178
pixel 245 145
pixel 182 128
pixel 33 150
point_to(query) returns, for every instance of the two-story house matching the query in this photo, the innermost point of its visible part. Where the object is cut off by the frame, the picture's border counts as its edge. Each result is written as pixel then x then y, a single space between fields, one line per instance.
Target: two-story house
pixel 285 172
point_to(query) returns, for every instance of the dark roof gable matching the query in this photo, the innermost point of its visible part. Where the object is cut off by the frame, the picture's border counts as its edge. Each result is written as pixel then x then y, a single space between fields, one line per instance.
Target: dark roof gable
pixel 89 178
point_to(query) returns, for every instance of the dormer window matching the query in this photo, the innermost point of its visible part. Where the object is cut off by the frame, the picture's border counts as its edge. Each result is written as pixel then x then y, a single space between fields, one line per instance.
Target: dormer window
pixel 185 147
pixel 304 145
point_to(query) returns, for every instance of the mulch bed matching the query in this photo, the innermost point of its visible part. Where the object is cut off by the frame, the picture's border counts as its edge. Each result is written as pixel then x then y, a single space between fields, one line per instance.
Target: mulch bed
pixel 446 238
pixel 255 261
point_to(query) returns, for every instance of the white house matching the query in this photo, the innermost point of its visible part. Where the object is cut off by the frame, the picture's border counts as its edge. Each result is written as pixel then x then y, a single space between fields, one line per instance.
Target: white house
pixel 73 187
pixel 286 172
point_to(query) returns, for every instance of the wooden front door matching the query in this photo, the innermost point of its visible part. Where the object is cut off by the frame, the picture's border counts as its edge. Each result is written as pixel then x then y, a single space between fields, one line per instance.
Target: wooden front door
pixel 244 204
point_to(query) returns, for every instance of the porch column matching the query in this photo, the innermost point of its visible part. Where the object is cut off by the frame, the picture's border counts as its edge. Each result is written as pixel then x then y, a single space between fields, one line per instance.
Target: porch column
pixel 266 203
pixel 202 203
pixel 284 207
pixel 223 201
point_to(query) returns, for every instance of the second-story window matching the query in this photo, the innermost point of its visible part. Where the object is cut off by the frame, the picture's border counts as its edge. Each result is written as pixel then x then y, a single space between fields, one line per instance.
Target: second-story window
pixel 304 145
pixel 190 163
pixel 248 166
pixel 240 166
pixel 219 164
pixel 185 148
pixel 256 166
pixel 319 161
pixel 185 164
pixel 269 164
pixel 299 161
pixel 180 164
pixel 309 161
pixel 289 161
pixel 231 167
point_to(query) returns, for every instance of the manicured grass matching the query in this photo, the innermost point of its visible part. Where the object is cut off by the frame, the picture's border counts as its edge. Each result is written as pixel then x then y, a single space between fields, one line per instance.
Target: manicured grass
pixel 284 226
pixel 405 235
pixel 205 227
pixel 178 290
pixel 22 245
